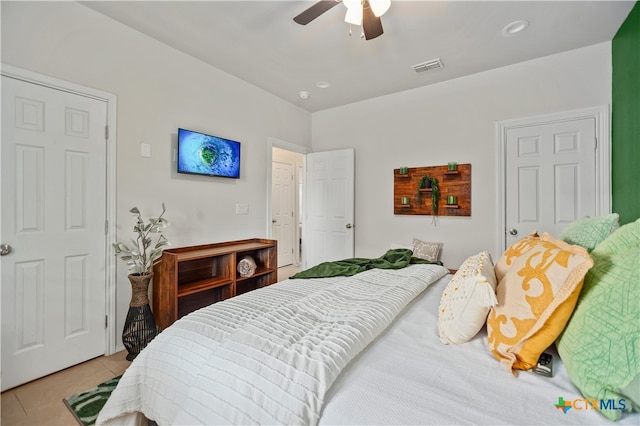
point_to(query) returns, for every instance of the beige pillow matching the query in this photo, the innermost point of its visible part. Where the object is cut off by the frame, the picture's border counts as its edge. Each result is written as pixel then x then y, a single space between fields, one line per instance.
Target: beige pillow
pixel 536 296
pixel 426 250
pixel 467 299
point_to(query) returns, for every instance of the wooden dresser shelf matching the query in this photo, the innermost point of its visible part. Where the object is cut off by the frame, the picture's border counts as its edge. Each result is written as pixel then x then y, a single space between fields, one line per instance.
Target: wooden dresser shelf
pixel 204 251
pixel 259 272
pixel 190 278
pixel 197 286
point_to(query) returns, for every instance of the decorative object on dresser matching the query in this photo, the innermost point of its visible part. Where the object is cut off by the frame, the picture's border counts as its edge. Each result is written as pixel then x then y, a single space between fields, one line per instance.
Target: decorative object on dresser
pixel 246 266
pixel 140 255
pixel 190 278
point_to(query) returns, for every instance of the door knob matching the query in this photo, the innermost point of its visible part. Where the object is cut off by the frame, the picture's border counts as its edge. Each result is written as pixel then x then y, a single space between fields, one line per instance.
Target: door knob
pixel 5 249
pixel 349 226
pixel 273 221
pixel 513 231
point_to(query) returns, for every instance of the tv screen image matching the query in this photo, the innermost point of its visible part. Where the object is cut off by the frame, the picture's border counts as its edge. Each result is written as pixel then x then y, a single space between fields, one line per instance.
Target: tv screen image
pixel 208 155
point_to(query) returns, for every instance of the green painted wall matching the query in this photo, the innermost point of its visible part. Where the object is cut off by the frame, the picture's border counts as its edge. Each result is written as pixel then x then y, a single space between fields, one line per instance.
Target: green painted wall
pixel 625 125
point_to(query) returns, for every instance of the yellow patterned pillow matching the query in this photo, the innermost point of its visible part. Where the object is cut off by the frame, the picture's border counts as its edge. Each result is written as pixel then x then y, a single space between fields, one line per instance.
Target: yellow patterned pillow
pixel 506 260
pixel 541 279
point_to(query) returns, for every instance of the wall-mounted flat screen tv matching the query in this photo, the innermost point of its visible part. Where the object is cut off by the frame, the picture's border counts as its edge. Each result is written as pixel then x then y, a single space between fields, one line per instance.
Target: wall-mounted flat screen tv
pixel 207 155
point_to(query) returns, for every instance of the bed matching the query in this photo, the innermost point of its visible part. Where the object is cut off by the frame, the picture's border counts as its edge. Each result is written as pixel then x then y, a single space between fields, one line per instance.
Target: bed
pixel 364 349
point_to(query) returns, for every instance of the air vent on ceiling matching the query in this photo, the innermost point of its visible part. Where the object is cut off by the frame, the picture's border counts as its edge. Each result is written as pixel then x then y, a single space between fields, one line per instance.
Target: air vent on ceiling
pixel 431 65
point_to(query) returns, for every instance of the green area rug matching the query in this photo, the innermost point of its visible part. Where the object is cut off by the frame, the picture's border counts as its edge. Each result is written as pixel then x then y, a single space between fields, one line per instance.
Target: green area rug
pixel 86 405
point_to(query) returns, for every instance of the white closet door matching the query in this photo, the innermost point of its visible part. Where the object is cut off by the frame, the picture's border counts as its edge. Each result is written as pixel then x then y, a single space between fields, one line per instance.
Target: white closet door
pixel 53 217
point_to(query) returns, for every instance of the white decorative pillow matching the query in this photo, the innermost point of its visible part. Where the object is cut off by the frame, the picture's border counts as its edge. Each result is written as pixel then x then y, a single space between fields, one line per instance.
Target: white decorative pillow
pixel 426 251
pixel 467 300
pixel 401 246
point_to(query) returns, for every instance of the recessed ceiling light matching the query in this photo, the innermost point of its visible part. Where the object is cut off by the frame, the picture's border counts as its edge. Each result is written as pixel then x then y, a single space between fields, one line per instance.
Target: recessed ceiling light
pixel 323 84
pixel 304 95
pixel 515 27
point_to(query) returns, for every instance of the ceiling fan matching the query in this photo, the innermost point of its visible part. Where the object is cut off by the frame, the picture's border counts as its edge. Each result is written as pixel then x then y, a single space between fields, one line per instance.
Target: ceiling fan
pixel 359 12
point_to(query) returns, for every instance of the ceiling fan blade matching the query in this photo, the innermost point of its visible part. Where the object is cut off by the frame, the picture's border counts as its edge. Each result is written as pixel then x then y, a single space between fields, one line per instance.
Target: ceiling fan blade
pixel 314 11
pixel 371 24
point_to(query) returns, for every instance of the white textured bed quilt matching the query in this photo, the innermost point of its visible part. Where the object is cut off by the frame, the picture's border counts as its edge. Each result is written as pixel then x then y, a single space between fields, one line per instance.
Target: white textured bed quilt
pixel 405 375
pixel 266 357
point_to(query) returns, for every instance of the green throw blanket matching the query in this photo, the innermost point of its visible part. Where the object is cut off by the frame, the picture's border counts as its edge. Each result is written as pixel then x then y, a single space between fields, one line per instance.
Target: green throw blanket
pixel 392 259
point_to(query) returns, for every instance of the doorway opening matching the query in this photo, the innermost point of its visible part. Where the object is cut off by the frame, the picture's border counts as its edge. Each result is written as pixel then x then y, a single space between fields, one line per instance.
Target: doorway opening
pixel 285 189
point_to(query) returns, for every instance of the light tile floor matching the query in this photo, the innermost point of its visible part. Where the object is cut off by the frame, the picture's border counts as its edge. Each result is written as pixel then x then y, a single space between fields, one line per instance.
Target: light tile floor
pixel 286 271
pixel 40 402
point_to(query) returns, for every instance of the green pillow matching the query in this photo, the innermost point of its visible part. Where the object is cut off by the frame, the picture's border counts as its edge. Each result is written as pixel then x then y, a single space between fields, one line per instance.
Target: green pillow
pixel 588 232
pixel 600 346
pixel 619 241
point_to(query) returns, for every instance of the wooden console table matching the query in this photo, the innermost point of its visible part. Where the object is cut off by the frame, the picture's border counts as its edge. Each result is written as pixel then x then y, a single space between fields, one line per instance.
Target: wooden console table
pixel 189 278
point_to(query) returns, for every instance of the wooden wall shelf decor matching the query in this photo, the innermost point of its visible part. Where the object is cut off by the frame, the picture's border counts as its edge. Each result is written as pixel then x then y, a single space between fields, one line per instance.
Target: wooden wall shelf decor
pixel 450 182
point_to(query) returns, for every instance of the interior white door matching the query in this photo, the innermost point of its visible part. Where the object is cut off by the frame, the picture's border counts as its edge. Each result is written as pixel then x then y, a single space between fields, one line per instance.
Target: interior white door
pixel 550 176
pixel 328 229
pixel 53 217
pixel 282 211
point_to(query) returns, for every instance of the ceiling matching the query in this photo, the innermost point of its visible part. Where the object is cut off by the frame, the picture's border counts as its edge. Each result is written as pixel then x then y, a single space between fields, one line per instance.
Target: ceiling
pixel 257 41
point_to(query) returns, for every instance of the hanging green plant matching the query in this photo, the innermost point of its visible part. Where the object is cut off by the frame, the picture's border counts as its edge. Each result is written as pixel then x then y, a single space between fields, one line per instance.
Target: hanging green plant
pixel 430 182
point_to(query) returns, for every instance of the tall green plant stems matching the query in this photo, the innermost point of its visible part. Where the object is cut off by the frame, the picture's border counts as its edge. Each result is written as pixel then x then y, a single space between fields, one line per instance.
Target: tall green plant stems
pixel 141 253
pixel 426 182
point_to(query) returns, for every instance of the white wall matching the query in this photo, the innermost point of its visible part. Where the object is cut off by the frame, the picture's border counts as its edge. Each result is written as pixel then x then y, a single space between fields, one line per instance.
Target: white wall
pixel 452 121
pixel 159 89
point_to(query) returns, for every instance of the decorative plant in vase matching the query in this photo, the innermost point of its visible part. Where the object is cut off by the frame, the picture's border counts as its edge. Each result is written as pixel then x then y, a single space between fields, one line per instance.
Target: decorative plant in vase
pixel 430 182
pixel 140 255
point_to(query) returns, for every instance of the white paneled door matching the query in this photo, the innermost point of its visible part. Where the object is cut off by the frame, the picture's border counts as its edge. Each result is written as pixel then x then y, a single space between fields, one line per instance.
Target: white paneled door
pixel 328 230
pixel 282 211
pixel 53 218
pixel 550 176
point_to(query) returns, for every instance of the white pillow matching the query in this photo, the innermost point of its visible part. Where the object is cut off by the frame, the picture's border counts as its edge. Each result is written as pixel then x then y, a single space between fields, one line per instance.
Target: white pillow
pixel 426 250
pixel 467 300
pixel 401 246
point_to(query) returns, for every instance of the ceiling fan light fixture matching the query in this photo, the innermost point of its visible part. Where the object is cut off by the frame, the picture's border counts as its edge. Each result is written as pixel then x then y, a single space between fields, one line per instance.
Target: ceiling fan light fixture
pixel 354 15
pixel 379 7
pixel 350 4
